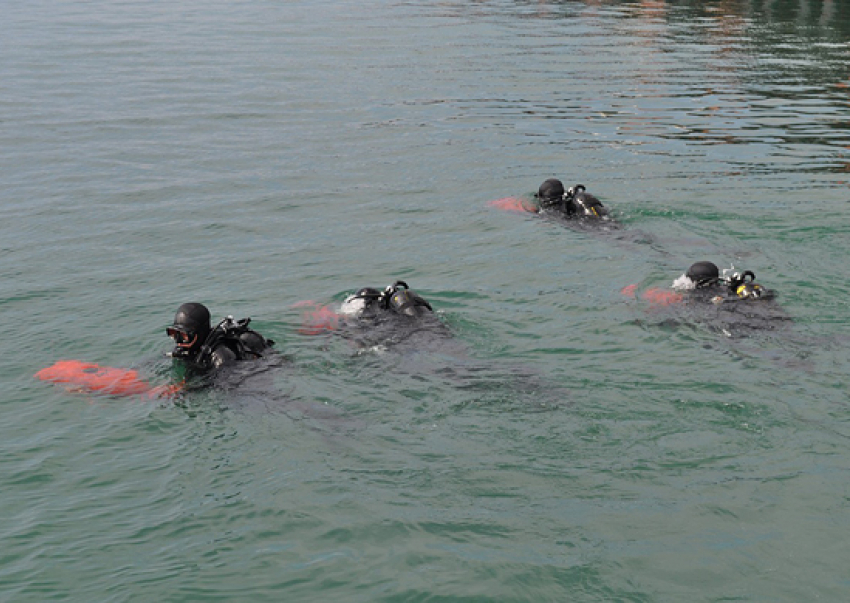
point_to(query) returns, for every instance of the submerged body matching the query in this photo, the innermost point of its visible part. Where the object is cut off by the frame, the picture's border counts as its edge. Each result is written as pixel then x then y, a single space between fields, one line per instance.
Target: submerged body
pixel 395 317
pixel 398 331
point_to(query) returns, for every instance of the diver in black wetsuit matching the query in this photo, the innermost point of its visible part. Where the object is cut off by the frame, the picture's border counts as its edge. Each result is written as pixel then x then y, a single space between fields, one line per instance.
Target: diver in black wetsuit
pixel 397 299
pixel 739 304
pixel 396 317
pixel 572 203
pixel 204 349
pixel 704 277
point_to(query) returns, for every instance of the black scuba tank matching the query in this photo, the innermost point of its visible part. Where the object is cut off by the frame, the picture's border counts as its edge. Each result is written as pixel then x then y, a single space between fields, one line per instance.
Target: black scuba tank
pixel 580 203
pixel 400 299
pixel 746 289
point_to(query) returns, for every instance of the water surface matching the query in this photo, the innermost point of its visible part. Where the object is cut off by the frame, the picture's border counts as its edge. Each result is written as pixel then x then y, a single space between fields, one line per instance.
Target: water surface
pixel 569 443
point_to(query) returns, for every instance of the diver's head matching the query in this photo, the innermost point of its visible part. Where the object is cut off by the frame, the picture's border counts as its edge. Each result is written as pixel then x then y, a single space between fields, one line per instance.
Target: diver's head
pixel 703 274
pixel 190 328
pixel 551 191
pixel 364 302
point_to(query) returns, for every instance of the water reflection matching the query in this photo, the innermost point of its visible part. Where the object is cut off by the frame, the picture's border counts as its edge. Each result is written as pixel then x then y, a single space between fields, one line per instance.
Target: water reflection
pixel 758 87
pixel 810 38
pixel 832 16
pixel 773 73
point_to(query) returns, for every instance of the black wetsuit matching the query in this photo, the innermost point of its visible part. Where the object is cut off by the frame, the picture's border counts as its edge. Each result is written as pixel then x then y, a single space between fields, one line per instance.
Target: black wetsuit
pixel 394 316
pixel 720 308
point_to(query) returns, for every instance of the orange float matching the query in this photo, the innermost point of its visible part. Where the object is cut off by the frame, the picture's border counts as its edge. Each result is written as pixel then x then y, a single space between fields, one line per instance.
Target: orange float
pixel 93 378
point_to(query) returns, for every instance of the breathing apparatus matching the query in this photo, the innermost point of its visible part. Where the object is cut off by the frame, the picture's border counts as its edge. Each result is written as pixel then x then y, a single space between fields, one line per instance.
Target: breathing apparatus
pixel 399 298
pixel 228 332
pixel 573 201
pixel 576 202
pixel 743 288
pixel 237 336
pixel 704 275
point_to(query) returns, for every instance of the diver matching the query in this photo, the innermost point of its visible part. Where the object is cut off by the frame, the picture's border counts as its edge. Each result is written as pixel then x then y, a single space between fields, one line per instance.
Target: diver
pixel 203 348
pixel 396 299
pixel 571 203
pixel 396 323
pixel 373 317
pixel 705 277
pixel 574 206
pixel 730 301
pixel 704 282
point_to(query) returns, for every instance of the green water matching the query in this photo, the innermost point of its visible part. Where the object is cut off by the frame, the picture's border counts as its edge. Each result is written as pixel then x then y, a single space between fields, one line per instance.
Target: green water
pixel 568 443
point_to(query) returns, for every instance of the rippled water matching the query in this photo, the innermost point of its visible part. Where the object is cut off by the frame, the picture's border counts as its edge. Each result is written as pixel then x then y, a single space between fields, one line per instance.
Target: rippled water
pixel 567 443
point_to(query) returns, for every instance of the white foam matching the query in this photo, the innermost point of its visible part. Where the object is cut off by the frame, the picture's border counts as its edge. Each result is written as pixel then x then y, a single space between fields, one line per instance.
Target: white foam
pixel 352 306
pixel 683 283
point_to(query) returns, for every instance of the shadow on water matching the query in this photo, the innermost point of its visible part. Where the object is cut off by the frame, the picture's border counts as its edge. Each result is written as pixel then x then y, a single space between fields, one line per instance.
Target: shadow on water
pixel 252 388
pixel 426 355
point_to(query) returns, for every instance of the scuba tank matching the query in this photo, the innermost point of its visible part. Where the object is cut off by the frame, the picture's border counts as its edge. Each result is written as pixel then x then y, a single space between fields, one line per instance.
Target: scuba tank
pixel 577 202
pixel 236 335
pixel 743 288
pixel 238 339
pixel 571 202
pixel 400 299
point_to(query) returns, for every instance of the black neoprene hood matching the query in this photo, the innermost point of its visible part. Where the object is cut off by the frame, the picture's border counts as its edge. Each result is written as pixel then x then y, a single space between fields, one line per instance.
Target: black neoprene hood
pixel 193 318
pixel 703 273
pixel 551 190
